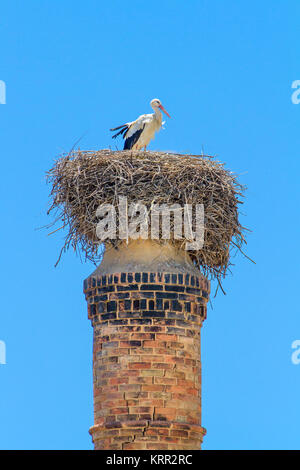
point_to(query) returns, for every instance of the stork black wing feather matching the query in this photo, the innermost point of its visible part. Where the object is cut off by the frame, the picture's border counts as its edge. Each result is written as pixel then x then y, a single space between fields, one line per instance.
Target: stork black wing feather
pixel 120 132
pixel 119 127
pixel 130 141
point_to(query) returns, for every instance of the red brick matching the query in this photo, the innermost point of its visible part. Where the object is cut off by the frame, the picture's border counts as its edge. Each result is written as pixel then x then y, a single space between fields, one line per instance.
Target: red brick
pixel 118 411
pixel 120 380
pixel 166 337
pixel 139 365
pixel 153 388
pixel 157 432
pixel 161 365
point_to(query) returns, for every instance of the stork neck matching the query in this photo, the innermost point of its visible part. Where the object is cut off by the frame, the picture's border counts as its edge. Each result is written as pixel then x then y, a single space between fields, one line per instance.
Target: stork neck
pixel 158 114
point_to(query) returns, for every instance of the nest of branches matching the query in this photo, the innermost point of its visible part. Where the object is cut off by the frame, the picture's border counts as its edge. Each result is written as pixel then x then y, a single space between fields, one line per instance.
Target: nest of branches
pixel 83 180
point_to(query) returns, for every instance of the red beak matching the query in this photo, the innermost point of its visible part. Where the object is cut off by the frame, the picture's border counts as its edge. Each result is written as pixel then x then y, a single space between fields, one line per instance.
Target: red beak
pixel 163 109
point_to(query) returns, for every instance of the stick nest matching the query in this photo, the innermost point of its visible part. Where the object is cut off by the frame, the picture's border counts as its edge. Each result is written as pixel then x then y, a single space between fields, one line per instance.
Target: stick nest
pixel 82 180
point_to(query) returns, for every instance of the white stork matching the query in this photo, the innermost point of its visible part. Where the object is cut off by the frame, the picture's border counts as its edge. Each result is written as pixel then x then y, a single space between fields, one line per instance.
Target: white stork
pixel 138 133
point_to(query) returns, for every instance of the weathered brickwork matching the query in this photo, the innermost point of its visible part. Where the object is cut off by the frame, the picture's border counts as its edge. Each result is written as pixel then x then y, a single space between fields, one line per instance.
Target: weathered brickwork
pixel 146 360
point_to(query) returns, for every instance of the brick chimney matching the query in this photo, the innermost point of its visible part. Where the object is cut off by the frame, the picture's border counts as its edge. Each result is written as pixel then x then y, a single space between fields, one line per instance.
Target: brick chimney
pixel 146 303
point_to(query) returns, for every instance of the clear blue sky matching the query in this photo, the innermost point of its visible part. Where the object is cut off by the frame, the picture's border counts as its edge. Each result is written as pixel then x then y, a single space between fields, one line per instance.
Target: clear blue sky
pixel 223 70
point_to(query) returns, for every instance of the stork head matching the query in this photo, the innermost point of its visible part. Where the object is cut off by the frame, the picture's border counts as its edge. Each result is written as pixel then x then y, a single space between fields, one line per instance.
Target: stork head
pixel 157 104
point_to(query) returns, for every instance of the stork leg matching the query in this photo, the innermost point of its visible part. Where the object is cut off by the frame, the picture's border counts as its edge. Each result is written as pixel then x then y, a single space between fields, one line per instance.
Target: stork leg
pixel 145 148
